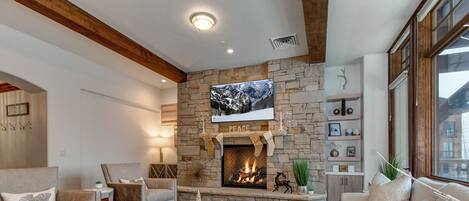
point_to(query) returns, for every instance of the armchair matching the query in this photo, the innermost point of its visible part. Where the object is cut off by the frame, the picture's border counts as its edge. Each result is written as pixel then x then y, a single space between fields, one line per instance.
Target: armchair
pixel 38 179
pixel 158 189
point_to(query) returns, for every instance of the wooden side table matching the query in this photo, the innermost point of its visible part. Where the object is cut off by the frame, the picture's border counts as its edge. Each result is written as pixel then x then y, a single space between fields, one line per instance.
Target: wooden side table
pixel 103 194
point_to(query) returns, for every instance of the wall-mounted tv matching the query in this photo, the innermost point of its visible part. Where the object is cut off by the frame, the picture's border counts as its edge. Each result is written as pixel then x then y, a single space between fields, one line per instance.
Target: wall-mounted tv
pixel 245 101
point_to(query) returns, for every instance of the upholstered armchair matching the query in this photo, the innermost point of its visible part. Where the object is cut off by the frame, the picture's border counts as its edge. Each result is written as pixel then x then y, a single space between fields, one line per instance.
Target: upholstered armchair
pixel 38 179
pixel 158 189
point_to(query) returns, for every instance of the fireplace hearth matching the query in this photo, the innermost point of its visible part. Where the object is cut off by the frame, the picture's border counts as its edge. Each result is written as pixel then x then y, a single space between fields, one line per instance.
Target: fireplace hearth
pixel 240 168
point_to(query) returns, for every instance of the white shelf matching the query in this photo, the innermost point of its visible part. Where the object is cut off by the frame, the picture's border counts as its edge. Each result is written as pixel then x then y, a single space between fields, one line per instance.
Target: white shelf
pixel 346 173
pixel 343 118
pixel 344 138
pixel 344 159
pixel 339 97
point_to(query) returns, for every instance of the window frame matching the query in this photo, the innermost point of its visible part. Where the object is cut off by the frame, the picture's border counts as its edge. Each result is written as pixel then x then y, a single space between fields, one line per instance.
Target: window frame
pixel 449 17
pixel 433 135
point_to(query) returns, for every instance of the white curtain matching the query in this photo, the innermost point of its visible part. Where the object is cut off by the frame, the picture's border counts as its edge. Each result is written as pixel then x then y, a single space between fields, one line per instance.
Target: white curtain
pixel 400 122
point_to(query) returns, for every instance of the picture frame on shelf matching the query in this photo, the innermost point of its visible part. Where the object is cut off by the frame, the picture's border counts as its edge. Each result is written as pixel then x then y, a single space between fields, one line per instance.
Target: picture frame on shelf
pixel 335 129
pixel 351 151
pixel 343 168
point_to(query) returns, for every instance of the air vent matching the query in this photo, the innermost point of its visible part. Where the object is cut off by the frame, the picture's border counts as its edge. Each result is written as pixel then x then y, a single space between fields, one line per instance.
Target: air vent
pixel 284 42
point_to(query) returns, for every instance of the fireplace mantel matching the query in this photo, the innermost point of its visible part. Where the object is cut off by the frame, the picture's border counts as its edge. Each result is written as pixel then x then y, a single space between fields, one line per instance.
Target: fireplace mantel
pixel 238 134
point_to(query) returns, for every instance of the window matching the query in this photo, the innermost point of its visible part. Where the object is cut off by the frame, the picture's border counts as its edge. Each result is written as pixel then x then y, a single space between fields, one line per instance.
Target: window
pixel 447 14
pixel 400 126
pixel 405 58
pixel 451 139
pixel 450 128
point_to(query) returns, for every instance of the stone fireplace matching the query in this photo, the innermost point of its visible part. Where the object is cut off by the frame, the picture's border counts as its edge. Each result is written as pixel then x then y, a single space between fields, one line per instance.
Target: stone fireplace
pixel 241 168
pixel 299 96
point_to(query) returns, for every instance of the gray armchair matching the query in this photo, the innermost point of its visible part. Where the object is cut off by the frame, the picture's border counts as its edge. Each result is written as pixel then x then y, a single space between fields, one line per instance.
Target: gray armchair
pixel 38 179
pixel 158 189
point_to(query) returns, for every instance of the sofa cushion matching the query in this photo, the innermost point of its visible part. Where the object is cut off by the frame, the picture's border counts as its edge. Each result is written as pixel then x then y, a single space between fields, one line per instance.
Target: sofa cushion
pixel 397 190
pixel 160 195
pixel 135 181
pixel 47 195
pixel 423 193
pixel 456 190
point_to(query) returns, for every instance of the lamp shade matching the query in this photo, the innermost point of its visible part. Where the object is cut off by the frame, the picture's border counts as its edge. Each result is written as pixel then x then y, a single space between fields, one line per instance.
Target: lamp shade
pixel 163 142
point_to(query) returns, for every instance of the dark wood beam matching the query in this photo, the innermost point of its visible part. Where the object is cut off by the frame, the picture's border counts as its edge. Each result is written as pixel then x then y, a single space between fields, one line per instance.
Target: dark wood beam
pixel 315 14
pixel 73 17
pixel 5 87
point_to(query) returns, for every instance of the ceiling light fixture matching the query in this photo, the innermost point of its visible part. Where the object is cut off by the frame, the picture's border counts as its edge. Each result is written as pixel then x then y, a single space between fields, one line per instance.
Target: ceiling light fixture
pixel 202 21
pixel 230 51
pixel 164 81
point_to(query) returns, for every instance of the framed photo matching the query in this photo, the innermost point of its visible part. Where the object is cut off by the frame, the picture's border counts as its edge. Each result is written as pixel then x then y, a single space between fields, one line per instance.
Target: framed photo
pixel 334 129
pixel 19 109
pixel 343 168
pixel 351 151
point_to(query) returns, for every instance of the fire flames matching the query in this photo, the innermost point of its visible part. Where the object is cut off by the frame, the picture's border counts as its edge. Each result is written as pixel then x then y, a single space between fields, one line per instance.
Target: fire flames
pixel 249 174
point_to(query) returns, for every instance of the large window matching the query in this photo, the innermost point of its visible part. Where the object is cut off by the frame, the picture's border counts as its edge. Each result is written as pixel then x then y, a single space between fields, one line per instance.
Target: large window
pixel 447 14
pixel 451 121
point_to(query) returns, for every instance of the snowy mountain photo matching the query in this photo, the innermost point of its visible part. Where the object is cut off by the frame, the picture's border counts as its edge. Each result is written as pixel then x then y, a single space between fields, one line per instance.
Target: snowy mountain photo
pixel 244 101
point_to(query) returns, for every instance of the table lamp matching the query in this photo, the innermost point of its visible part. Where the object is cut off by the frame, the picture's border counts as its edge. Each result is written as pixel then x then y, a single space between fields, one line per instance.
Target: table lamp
pixel 163 142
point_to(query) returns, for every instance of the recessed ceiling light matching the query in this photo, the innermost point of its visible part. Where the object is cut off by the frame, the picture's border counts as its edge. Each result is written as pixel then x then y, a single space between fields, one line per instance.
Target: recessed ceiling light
pixel 164 81
pixel 202 21
pixel 230 51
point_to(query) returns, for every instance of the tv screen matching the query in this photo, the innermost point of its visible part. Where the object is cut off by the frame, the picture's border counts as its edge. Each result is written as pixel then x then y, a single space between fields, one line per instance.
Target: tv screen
pixel 245 101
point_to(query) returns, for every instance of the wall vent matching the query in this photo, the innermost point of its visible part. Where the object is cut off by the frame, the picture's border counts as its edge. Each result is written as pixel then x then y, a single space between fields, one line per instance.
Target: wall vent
pixel 284 42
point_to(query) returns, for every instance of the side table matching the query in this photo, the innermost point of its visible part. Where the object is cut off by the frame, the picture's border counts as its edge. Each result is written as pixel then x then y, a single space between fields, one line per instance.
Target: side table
pixel 103 194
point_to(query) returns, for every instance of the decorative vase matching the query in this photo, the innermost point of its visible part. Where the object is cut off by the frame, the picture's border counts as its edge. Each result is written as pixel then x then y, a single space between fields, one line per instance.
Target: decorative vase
pixel 303 190
pixel 334 153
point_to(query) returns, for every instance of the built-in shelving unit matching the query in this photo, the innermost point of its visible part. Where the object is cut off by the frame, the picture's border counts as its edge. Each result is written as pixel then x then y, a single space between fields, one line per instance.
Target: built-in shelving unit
pixel 341 143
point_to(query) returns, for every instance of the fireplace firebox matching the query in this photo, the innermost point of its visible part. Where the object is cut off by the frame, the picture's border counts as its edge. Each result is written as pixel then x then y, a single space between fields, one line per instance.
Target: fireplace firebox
pixel 240 168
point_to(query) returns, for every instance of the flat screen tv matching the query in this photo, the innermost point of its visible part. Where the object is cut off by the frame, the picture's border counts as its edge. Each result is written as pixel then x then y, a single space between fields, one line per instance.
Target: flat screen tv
pixel 245 101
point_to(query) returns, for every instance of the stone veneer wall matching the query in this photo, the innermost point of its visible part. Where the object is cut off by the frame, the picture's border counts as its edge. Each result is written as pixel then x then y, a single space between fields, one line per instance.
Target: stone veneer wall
pixel 299 94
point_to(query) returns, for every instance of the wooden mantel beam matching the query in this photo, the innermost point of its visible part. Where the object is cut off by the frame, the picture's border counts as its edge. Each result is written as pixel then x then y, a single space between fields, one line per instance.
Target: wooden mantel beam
pixel 73 17
pixel 315 14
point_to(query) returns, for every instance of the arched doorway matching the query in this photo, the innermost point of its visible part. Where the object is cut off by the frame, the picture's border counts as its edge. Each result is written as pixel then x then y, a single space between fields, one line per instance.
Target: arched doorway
pixel 23 123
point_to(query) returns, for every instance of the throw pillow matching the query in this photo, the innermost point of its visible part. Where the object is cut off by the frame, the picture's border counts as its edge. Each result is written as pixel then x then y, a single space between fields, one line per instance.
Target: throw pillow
pixel 458 191
pixel 47 195
pixel 377 180
pixel 397 190
pixel 135 181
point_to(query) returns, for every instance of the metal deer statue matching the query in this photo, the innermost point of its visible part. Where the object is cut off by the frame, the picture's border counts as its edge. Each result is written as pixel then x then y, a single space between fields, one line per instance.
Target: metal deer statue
pixel 281 180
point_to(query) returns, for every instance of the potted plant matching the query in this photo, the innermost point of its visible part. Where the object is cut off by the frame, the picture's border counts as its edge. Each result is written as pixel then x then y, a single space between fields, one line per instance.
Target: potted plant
pixel 301 172
pixel 388 170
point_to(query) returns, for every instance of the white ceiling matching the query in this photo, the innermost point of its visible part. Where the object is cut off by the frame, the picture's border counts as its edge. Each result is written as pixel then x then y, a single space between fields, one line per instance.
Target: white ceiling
pixel 360 27
pixel 245 25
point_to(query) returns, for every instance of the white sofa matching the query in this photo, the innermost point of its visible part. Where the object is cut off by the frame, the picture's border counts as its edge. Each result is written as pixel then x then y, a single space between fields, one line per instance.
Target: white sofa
pixel 420 192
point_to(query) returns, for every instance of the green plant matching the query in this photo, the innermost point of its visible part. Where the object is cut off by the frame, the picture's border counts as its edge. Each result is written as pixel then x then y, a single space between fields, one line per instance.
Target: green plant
pixel 389 170
pixel 301 172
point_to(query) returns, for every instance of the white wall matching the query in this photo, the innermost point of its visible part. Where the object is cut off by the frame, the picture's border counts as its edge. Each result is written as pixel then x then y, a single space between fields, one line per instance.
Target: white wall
pixel 169 96
pixel 333 84
pixel 63 75
pixel 375 111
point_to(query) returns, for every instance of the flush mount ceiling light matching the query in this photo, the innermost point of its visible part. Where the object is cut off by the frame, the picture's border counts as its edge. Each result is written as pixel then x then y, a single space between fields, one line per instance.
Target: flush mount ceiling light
pixel 202 21
pixel 164 81
pixel 230 51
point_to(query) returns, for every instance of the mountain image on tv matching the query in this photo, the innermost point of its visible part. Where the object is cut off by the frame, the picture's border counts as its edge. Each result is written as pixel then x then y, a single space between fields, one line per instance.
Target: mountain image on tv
pixel 244 101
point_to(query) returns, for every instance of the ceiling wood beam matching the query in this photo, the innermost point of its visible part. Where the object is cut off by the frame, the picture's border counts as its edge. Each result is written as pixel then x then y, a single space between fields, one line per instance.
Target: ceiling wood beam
pixel 76 19
pixel 5 87
pixel 315 14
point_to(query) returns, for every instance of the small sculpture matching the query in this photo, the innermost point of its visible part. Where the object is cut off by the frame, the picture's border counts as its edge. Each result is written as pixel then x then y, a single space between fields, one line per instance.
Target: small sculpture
pixel 281 180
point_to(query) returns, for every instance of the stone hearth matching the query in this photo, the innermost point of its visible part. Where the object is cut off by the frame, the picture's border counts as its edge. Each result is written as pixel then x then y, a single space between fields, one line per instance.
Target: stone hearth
pixel 299 95
pixel 238 194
